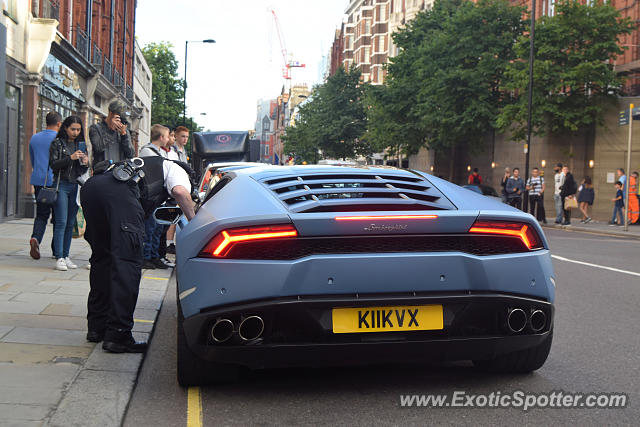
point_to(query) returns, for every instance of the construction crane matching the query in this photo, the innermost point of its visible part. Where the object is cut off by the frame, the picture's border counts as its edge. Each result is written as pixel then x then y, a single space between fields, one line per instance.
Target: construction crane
pixel 287 63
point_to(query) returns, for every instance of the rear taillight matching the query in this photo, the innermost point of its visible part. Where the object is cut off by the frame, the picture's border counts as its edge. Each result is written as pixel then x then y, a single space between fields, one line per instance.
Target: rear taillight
pixel 525 232
pixel 222 243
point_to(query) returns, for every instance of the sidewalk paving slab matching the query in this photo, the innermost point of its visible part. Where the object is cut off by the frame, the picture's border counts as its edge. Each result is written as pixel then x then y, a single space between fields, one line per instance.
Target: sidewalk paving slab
pixel 47 336
pixel 76 310
pixel 43 321
pixel 20 307
pixel 42 338
pixel 21 354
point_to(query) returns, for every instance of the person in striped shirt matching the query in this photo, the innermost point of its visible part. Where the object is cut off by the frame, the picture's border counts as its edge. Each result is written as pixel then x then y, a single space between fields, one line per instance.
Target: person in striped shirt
pixel 535 186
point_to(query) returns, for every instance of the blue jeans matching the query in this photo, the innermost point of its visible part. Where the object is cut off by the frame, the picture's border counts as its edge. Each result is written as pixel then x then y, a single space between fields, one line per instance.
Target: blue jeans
pixel 65 211
pixel 617 211
pixel 557 200
pixel 152 233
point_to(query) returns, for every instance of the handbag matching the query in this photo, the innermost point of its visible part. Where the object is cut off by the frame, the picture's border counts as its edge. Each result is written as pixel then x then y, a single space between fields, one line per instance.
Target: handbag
pixel 48 195
pixel 570 203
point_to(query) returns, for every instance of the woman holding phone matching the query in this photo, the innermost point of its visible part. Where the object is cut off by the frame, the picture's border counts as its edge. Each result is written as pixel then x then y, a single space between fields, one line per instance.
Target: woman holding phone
pixel 68 162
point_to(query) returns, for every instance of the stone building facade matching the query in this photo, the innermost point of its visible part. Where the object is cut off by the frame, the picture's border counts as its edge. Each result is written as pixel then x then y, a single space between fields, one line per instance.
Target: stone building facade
pixel 69 56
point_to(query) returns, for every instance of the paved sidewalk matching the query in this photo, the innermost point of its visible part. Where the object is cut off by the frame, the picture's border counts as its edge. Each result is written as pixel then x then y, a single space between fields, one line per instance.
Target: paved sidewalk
pixel 599 227
pixel 50 374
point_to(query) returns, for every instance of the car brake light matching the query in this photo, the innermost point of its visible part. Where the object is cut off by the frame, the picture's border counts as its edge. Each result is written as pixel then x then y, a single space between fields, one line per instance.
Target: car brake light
pixel 525 232
pixel 222 243
pixel 381 217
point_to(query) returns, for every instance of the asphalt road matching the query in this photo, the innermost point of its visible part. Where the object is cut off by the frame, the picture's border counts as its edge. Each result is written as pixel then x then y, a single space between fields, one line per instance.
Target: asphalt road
pixel 596 349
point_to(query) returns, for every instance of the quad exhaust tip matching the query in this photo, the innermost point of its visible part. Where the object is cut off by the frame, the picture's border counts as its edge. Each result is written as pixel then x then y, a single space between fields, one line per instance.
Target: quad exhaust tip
pixel 222 331
pixel 516 320
pixel 251 328
pixel 538 320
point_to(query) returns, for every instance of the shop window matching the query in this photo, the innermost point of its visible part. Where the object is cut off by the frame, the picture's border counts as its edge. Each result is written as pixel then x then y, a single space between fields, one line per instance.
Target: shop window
pixel 10 9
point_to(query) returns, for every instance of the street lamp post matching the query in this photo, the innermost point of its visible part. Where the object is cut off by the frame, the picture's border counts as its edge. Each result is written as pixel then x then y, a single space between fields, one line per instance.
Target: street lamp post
pixel 525 202
pixel 184 82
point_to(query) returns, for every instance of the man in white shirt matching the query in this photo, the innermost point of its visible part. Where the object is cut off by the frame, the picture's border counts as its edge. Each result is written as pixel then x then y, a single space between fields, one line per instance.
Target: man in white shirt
pixel 558 180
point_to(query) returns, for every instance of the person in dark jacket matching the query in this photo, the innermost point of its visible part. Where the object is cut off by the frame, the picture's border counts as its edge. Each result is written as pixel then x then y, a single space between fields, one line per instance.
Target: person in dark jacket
pixel 110 139
pixel 68 162
pixel 568 190
pixel 42 177
pixel 585 198
pixel 115 205
pixel 515 187
pixel 503 184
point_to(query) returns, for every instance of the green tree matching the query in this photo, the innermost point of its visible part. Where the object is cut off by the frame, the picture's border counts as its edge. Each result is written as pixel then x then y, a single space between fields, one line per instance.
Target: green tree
pixel 573 75
pixel 443 88
pixel 167 93
pixel 332 121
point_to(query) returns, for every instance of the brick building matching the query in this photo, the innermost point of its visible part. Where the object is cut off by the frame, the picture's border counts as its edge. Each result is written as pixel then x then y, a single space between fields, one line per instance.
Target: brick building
pixel 364 39
pixel 69 56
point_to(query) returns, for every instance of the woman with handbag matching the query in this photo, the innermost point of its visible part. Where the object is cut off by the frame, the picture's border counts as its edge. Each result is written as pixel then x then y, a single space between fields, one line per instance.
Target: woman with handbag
pixel 68 162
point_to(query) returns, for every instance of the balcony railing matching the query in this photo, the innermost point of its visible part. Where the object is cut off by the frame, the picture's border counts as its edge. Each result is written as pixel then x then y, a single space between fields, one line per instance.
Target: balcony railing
pixel 129 93
pixel 107 70
pixel 51 9
pixel 97 57
pixel 118 81
pixel 82 42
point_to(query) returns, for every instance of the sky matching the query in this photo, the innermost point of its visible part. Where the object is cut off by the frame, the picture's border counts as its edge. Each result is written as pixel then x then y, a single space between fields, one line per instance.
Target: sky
pixel 226 79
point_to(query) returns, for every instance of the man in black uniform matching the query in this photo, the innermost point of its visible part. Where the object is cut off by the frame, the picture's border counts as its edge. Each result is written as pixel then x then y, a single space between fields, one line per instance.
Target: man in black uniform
pixel 115 203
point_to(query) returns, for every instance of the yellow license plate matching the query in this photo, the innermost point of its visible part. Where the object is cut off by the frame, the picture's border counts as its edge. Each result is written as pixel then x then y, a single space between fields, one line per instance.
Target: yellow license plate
pixel 387 319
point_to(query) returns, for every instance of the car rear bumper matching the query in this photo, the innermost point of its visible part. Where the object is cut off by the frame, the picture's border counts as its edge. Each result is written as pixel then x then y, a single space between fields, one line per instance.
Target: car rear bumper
pixel 298 331
pixel 212 282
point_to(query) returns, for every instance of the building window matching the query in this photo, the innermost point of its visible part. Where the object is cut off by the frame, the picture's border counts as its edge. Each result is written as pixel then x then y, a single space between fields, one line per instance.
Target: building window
pixel 367 26
pixel 10 9
pixel 549 7
pixel 367 55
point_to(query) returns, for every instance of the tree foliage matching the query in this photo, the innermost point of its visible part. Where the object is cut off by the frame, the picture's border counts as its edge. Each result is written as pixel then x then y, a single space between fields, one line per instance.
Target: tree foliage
pixel 573 74
pixel 443 88
pixel 331 123
pixel 167 94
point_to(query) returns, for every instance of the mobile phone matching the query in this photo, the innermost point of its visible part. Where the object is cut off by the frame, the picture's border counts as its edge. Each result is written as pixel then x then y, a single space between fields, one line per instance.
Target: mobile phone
pixel 82 146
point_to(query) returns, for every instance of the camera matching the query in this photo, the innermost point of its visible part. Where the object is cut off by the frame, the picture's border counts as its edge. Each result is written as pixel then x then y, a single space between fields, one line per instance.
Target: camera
pixel 129 170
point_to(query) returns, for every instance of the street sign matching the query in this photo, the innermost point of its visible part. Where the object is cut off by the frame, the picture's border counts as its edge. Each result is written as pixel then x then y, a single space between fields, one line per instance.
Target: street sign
pixel 623 118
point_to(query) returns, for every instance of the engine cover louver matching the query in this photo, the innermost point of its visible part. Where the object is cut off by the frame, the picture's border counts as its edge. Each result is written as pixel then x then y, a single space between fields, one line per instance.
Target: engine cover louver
pixel 357 192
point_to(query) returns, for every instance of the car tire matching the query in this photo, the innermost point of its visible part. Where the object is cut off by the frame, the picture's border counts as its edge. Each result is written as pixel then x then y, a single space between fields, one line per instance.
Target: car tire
pixel 194 371
pixel 518 362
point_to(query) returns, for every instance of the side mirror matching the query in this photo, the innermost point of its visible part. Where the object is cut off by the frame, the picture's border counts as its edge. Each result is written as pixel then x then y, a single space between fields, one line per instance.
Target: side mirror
pixel 167 215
